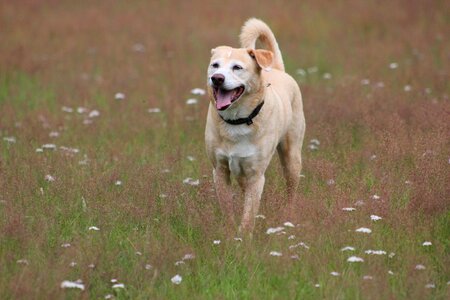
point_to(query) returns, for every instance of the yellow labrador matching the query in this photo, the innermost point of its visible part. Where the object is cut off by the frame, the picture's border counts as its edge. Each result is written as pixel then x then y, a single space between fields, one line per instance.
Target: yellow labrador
pixel 255 108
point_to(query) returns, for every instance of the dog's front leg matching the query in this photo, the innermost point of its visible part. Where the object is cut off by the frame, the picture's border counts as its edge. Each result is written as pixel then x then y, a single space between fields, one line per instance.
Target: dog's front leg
pixel 222 183
pixel 253 188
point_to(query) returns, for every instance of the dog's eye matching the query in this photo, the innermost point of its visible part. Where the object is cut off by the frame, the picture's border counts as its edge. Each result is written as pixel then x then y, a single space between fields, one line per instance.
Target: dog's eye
pixel 237 68
pixel 215 65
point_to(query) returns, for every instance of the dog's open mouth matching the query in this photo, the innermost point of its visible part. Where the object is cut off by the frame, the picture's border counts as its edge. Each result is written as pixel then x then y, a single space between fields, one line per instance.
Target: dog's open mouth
pixel 224 98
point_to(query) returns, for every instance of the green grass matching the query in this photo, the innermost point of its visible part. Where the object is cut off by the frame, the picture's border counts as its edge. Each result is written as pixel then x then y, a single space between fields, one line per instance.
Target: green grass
pixel 153 218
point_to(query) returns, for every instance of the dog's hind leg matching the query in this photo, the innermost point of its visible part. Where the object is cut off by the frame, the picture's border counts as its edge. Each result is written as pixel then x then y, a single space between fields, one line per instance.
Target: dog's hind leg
pixel 289 151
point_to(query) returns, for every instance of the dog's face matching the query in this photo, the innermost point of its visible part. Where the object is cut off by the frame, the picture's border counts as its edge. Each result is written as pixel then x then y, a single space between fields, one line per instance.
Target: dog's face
pixel 234 74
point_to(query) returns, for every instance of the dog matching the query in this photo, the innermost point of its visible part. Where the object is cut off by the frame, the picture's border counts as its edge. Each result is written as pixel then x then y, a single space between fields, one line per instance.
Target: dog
pixel 255 109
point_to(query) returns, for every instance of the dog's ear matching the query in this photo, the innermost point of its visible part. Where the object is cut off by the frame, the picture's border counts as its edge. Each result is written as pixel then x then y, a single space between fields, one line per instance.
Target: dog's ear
pixel 264 58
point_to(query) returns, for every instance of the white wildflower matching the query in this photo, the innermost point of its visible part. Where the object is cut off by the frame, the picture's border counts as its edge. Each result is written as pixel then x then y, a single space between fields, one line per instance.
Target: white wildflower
pixel 393 65
pixel 391 255
pixel 176 279
pixel 375 252
pixel 22 261
pixel 39 150
pixel 118 182
pixel 81 110
pixel 327 76
pixel 69 150
pixel 67 109
pixel 179 263
pixel 365 81
pixel 84 161
pixel 367 277
pixel 190 158
pixel 315 142
pixel 154 110
pixel 49 147
pixel 331 182
pixel 291 237
pixel 94 113
pixel 94 228
pixel 300 72
pixel 313 147
pixel 407 88
pixel 191 181
pixel 375 218
pixel 274 230
pixel 420 267
pixel 355 259
pixel 288 224
pixel 66 245
pixel 66 284
pixel 191 101
pixel 216 242
pixel 427 243
pixel 72 264
pixel 118 286
pixel 296 257
pixel 348 248
pixel 275 253
pixel 349 209
pixel 390 272
pixel 375 197
pixel 49 178
pixel 148 267
pixel 363 230
pixel 335 273
pixel 260 217
pixel 430 286
pixel 188 256
pixel 198 91
pixel 317 285
pixel 53 134
pixel 119 96
pixel 238 239
pixel 301 244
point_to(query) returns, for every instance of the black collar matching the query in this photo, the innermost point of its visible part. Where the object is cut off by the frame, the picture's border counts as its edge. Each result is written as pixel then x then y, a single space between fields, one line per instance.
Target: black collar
pixel 248 120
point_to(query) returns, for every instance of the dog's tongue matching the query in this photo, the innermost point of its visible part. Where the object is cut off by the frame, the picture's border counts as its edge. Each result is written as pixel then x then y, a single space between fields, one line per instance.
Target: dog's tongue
pixel 223 98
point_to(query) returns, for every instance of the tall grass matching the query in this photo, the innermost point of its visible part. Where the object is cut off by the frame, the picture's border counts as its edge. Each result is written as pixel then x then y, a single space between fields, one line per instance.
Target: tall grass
pixel 382 130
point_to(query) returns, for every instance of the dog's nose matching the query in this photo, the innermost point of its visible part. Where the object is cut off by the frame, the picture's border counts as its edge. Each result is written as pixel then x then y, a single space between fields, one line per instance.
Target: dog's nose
pixel 217 79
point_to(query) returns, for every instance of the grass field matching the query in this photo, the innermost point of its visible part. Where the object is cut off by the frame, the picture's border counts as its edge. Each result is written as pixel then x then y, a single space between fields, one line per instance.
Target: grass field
pixel 104 199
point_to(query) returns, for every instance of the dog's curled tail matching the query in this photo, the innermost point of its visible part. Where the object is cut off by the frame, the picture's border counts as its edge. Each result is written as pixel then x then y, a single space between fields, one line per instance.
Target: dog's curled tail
pixel 255 29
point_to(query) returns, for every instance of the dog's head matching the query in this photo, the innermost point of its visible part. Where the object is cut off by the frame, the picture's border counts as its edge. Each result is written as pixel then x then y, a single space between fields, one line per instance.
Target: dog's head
pixel 234 74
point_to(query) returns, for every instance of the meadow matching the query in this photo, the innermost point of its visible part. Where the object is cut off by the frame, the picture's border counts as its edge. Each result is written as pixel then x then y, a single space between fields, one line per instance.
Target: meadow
pixel 106 192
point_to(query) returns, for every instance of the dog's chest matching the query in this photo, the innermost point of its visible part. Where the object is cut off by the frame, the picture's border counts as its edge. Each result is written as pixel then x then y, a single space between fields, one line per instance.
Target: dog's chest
pixel 237 155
